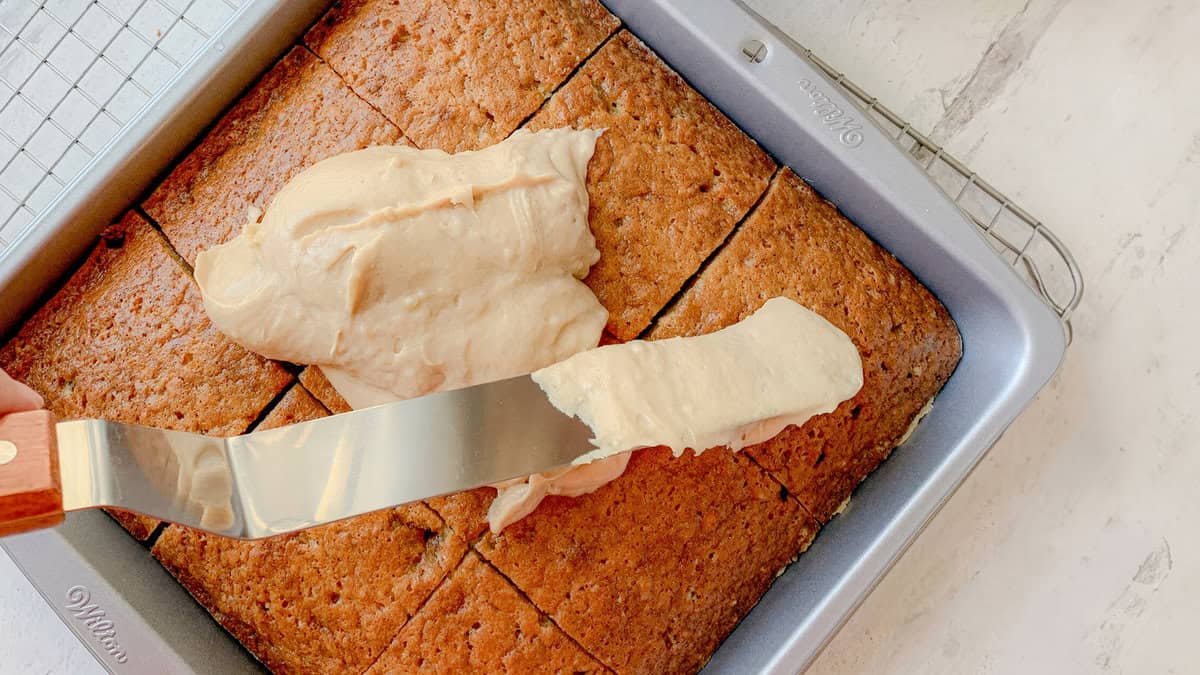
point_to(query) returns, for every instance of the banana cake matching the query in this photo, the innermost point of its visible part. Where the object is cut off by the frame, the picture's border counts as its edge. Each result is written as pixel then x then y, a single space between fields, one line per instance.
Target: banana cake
pixel 458 75
pixel 327 599
pixel 696 227
pixel 127 339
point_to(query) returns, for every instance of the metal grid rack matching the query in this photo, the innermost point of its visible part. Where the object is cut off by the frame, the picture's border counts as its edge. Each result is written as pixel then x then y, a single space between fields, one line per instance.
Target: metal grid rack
pixel 75 73
pixel 1019 238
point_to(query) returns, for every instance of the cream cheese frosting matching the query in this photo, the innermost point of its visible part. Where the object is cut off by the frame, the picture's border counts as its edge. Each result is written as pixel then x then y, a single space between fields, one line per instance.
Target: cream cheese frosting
pixel 402 272
pixel 735 387
pixel 413 271
pixel 518 498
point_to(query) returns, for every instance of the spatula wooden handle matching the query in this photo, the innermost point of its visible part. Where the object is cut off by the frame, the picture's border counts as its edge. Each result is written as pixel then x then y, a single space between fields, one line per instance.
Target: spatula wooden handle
pixel 30 487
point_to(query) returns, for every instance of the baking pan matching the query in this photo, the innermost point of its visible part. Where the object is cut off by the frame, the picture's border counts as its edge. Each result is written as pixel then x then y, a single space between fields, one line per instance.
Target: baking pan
pixel 135 618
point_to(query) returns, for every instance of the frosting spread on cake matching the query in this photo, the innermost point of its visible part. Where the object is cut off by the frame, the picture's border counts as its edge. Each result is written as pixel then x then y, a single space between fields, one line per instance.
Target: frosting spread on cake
pixel 402 272
pixel 413 271
pixel 735 387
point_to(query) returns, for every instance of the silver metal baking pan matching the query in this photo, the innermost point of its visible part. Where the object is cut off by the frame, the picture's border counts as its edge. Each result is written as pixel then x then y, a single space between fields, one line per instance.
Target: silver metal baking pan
pixel 136 619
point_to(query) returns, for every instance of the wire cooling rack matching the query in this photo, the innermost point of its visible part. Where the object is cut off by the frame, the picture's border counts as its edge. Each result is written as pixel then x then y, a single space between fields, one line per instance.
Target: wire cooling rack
pixel 75 73
pixel 1019 238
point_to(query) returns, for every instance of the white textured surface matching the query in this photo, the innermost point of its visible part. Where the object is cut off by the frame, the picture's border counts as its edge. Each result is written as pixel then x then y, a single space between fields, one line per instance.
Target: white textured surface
pixel 32 638
pixel 1073 548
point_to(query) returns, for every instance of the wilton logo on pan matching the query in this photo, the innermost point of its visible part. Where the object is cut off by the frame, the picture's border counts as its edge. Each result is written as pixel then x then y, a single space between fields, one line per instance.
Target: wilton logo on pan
pixel 831 115
pixel 80 605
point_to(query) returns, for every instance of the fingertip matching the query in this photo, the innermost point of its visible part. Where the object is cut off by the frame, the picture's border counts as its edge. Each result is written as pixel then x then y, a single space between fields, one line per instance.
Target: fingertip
pixel 17 397
pixel 34 399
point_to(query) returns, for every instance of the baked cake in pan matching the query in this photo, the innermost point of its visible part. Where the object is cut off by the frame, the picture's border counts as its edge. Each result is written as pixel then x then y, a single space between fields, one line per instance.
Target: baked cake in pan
pixel 696 227
pixel 127 339
pixel 298 114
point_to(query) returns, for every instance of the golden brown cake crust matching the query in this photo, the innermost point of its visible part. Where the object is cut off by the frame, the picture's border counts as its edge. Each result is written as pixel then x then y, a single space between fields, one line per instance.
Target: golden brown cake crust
pixel 458 75
pixel 314 381
pixel 670 178
pixel 465 511
pixel 650 572
pixel 298 114
pixel 350 584
pixel 798 245
pixel 476 622
pixel 127 339
pixel 327 599
pixel 297 405
pixel 139 527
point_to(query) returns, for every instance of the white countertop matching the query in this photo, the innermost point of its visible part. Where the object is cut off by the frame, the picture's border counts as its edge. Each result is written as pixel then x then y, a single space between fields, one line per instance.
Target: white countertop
pixel 1073 547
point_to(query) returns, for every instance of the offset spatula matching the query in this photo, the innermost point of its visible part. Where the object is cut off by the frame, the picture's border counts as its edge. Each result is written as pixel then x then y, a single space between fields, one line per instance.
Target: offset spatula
pixel 285 479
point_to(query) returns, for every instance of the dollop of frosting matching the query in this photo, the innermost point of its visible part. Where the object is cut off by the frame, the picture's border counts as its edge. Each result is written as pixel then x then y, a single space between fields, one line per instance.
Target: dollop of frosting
pixel 408 271
pixel 402 272
pixel 735 387
pixel 518 498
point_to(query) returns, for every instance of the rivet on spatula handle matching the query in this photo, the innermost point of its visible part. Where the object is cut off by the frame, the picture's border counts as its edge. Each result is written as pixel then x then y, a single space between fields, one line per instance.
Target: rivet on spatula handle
pixel 30 486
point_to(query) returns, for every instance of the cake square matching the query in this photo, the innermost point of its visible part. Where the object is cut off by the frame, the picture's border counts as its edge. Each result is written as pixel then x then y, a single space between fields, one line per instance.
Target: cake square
pixel 476 622
pixel 650 572
pixel 458 75
pixel 670 178
pixel 796 244
pixel 465 511
pixel 299 113
pixel 297 405
pixel 356 581
pixel 314 380
pixel 271 593
pixel 127 339
pixel 326 599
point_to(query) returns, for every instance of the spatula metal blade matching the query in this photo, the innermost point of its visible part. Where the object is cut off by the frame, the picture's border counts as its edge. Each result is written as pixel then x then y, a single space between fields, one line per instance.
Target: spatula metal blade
pixel 306 474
